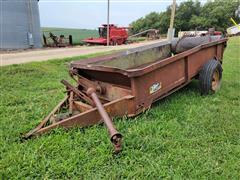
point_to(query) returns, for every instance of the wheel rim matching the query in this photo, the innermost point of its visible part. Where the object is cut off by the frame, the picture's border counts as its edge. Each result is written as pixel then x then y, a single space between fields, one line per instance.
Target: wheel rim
pixel 215 80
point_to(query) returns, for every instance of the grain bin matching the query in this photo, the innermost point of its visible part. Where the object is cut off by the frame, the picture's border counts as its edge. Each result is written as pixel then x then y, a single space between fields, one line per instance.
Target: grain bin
pixel 20 24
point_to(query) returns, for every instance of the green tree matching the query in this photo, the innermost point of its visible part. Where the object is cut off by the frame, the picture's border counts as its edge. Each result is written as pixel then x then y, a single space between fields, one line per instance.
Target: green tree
pixel 218 13
pixel 184 12
pixel 191 15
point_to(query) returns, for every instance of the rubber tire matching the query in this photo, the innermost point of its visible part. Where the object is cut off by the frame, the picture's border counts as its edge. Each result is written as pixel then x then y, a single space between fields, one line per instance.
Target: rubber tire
pixel 113 43
pixel 119 41
pixel 206 76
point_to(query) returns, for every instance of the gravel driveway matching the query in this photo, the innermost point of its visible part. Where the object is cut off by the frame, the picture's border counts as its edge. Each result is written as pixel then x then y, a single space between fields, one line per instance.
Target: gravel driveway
pixel 18 57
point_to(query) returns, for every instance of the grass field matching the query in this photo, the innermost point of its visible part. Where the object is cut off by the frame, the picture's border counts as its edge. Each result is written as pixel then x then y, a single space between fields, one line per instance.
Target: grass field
pixel 186 135
pixel 77 34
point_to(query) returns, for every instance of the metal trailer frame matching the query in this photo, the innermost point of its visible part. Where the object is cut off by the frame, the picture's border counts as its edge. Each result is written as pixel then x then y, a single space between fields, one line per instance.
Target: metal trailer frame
pixel 105 91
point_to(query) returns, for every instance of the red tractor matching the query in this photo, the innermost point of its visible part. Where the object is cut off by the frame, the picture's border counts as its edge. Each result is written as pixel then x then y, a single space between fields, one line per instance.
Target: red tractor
pixel 117 35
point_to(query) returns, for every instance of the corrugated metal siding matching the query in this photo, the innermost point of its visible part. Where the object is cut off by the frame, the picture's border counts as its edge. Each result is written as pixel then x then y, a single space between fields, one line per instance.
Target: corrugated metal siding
pixel 18 19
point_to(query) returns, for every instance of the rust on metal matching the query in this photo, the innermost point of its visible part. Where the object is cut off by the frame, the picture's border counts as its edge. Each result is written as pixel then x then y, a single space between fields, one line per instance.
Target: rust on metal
pixel 114 134
pixel 77 92
pixel 126 83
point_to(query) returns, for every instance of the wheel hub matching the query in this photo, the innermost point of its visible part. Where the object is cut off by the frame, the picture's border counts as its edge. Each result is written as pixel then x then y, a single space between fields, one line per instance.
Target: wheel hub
pixel 215 80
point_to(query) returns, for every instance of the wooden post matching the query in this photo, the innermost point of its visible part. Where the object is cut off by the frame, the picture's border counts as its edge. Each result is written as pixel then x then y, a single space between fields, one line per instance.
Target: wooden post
pixel 170 30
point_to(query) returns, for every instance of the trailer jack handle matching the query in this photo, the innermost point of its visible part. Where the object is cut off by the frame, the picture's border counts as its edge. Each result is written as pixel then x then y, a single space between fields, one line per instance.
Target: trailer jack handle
pixel 116 137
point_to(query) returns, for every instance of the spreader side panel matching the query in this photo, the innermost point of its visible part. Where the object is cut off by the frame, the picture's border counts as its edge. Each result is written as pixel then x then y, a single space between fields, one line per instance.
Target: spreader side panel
pixel 149 87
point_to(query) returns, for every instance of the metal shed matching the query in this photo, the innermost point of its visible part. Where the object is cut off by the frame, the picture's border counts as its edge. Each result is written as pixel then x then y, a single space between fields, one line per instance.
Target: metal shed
pixel 20 24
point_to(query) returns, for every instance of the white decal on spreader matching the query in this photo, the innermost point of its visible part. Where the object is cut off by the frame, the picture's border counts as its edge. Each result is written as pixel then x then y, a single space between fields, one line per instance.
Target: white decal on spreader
pixel 155 87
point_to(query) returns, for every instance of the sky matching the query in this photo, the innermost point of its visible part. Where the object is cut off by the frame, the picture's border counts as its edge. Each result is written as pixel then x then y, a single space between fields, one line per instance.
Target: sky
pixel 89 14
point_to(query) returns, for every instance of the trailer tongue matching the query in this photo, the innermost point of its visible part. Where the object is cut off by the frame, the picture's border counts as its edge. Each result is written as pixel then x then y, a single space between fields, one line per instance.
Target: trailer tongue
pixel 127 83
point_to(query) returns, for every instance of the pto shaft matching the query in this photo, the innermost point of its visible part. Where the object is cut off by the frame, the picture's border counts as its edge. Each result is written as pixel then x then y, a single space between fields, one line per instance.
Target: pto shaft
pixel 114 134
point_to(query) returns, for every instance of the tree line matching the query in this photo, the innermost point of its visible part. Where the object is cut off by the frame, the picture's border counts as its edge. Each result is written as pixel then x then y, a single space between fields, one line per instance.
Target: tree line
pixel 191 15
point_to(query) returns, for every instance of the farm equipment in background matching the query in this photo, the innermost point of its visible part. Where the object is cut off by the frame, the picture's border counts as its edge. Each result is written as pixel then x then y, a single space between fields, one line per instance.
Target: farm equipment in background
pixel 117 35
pixel 211 32
pixel 234 30
pixel 128 82
pixel 151 34
pixel 55 41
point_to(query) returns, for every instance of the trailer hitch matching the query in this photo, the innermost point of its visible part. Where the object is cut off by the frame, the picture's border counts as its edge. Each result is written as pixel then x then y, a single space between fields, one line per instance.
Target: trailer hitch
pixel 115 136
pixel 85 107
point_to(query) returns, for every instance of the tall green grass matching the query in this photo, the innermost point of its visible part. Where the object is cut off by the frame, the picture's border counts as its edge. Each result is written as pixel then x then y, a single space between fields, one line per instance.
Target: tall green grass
pixel 185 136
